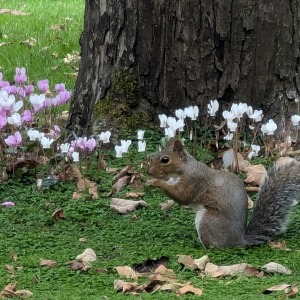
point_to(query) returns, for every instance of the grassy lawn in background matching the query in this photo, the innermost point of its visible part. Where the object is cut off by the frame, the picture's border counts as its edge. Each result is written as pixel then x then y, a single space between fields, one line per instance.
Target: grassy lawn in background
pixel 29 233
pixel 54 25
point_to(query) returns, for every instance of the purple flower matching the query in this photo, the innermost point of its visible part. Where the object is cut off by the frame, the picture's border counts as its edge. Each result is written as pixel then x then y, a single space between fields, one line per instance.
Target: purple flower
pixel 21 92
pixel 20 76
pixel 63 97
pixel 60 87
pixel 27 116
pixel 47 102
pixel 10 89
pixel 90 144
pixel 8 204
pixel 56 130
pixel 14 140
pixel 55 101
pixel 28 89
pixel 4 84
pixel 43 85
pixel 3 121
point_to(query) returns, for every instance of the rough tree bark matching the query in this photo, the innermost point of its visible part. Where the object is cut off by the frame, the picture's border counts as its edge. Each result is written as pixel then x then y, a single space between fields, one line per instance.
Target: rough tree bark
pixel 190 51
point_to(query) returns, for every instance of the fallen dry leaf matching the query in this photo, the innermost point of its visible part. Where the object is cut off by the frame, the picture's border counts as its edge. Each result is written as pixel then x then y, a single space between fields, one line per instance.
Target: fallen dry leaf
pixel 127 272
pixel 48 262
pixel 72 173
pixel 15 256
pixel 252 189
pixel 189 289
pixel 202 262
pixel 120 184
pixel 30 42
pixel 76 195
pixel 134 194
pixel 273 267
pixel 124 172
pixel 13 12
pixel 281 161
pixel 83 240
pixel 250 203
pixel 187 261
pixel 11 291
pixel 87 255
pixel 278 245
pixel 291 292
pixel 10 269
pixel 173 287
pixel 125 287
pixel 243 163
pixel 256 174
pixel 58 214
pixel 79 265
pixel 167 205
pixel 123 206
pixel 23 293
pixel 276 288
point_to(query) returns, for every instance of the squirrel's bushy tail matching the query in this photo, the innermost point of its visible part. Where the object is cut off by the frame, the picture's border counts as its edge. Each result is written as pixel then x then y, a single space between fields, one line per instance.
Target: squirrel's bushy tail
pixel 277 196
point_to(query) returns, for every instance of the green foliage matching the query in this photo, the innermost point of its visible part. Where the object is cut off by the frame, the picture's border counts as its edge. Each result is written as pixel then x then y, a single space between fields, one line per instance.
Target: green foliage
pixel 120 103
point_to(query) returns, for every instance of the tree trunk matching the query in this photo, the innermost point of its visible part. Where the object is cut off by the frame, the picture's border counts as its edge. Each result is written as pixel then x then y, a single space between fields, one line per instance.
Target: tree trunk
pixel 187 52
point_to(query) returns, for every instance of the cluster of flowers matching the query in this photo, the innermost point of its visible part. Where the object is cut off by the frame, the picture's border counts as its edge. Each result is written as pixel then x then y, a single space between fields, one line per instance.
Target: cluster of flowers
pixel 13 99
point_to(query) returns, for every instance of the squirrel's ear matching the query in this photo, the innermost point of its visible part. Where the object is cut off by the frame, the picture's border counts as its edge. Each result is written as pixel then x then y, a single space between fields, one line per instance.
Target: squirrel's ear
pixel 178 147
pixel 171 142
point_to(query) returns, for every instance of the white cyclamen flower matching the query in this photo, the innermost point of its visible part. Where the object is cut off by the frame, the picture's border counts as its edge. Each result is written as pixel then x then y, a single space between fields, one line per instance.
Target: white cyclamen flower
pixel 180 114
pixel 140 134
pixel 169 133
pixel 105 136
pixel 228 115
pixel 213 107
pixel 46 142
pixel 37 100
pixel 33 134
pixel 232 126
pixel 269 128
pixel 6 101
pixel 75 156
pixel 256 115
pixel 64 148
pixel 17 106
pixel 163 120
pixel 295 119
pixel 228 137
pixel 238 110
pixel 15 119
pixel 119 152
pixel 192 112
pixel 174 125
pixel 141 146
pixel 125 145
pixel 254 151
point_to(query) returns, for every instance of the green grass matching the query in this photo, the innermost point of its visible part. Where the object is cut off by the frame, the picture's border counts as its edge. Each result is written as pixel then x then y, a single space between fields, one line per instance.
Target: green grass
pixel 29 230
pixel 44 60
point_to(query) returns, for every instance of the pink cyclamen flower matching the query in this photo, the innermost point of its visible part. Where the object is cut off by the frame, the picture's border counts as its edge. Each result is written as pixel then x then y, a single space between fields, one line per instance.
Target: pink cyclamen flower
pixel 47 102
pixel 60 87
pixel 28 89
pixel 43 85
pixel 63 97
pixel 4 84
pixel 14 140
pixel 27 116
pixel 8 204
pixel 3 121
pixel 90 144
pixel 20 76
pixel 56 130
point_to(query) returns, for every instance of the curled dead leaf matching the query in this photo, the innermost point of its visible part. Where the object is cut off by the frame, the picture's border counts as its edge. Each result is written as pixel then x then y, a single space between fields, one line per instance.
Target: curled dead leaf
pixel 87 255
pixel 250 203
pixel 58 214
pixel 201 262
pixel 120 184
pixel 190 289
pixel 127 272
pixel 134 194
pixel 167 205
pixel 48 262
pixel 273 267
pixel 243 163
pixel 79 265
pixel 282 161
pixel 231 270
pixel 278 245
pixel 13 12
pixel 123 206
pixel 187 261
pixel 256 174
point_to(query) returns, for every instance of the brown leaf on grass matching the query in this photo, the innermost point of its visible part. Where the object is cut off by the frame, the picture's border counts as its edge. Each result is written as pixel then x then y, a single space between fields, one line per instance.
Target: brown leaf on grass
pixel 73 57
pixel 102 163
pixel 15 256
pixel 120 184
pixel 123 206
pixel 173 287
pixel 123 172
pixel 10 269
pixel 88 255
pixel 167 205
pixel 273 267
pixel 11 291
pixel 48 262
pixel 127 272
pixel 243 163
pixel 84 184
pixel 13 12
pixel 187 261
pixel 189 289
pixel 58 27
pixel 291 291
pixel 277 288
pixel 232 270
pixel 278 245
pixel 250 203
pixel 79 265
pixel 256 174
pixel 58 214
pixel 128 287
pixel 162 274
pixel 30 42
pixel 252 189
pixel 72 173
pixel 134 194
pixel 76 195
pixel 202 262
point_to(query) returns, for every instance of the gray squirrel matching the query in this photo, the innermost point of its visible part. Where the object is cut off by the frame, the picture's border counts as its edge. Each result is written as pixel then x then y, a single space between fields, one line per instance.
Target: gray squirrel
pixel 220 200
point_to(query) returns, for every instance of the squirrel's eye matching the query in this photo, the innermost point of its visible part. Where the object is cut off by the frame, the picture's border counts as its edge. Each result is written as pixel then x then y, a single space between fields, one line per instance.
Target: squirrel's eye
pixel 165 159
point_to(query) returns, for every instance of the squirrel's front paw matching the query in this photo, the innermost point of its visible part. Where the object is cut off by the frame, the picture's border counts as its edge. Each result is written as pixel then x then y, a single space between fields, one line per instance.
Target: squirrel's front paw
pixel 152 182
